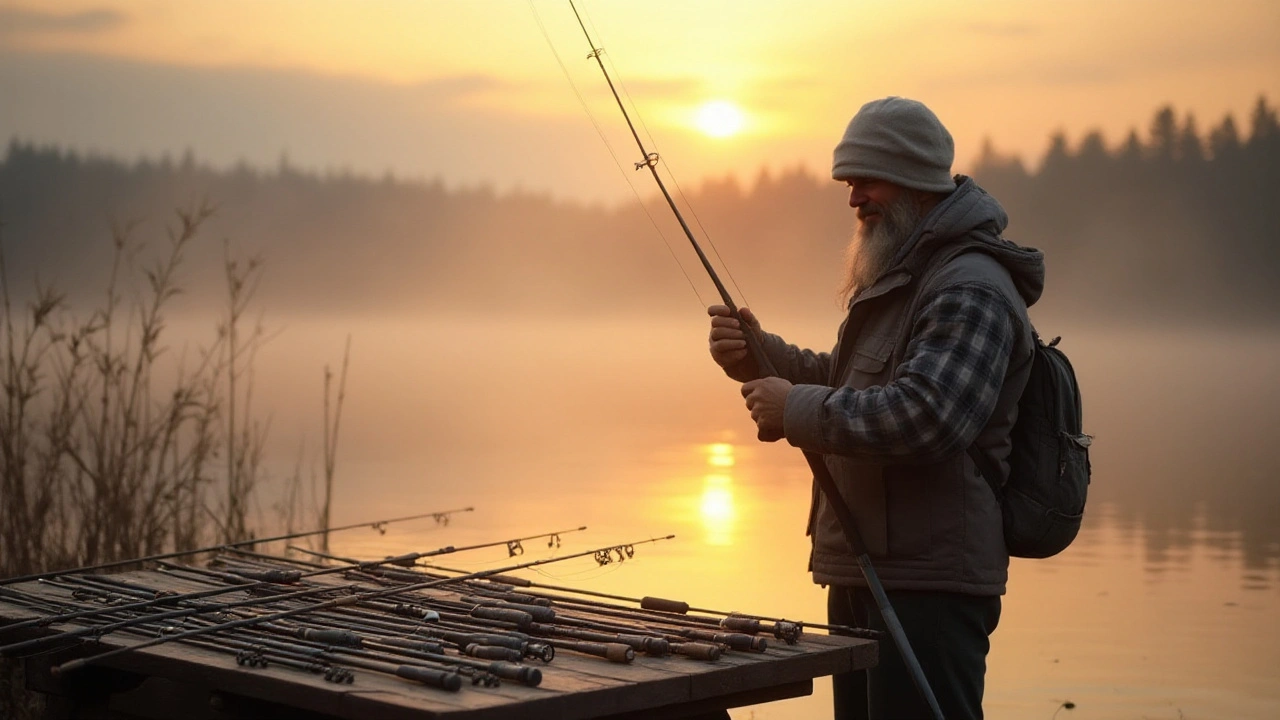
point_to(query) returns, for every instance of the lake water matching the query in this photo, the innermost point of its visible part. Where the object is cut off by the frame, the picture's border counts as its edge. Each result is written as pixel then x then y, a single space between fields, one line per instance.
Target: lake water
pixel 1167 606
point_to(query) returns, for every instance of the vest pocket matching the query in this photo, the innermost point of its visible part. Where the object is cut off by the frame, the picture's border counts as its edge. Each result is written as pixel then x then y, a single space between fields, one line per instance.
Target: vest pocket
pixel 866 367
pixel 867 363
pixel 909 498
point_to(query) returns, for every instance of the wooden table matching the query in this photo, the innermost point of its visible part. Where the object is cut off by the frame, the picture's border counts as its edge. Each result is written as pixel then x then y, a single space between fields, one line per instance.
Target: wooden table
pixel 193 683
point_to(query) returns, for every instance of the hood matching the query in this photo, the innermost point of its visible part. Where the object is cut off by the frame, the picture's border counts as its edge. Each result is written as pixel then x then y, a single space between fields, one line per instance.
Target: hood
pixel 970 220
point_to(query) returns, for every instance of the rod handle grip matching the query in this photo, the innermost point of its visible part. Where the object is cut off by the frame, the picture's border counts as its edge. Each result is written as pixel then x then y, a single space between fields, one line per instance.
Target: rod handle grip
pixel 282 577
pixel 649 645
pixel 664 605
pixel 426 646
pixel 539 613
pixel 503 641
pixel 740 641
pixel 443 679
pixel 342 638
pixel 737 623
pixel 697 651
pixel 509 580
pixel 492 652
pixel 519 618
pixel 522 674
pixel 611 651
pixel 619 652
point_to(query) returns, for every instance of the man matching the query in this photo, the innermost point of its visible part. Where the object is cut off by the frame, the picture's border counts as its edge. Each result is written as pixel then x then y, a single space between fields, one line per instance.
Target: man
pixel 929 365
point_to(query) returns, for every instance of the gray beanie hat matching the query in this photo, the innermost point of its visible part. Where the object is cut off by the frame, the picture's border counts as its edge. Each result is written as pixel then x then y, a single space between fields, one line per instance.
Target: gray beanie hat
pixel 898 140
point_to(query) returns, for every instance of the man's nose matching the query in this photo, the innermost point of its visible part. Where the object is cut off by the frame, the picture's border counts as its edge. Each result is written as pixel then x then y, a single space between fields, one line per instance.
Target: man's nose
pixel 857 198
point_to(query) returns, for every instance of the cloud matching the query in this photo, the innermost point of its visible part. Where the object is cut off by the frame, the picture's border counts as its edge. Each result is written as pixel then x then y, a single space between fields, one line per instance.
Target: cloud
pixel 15 21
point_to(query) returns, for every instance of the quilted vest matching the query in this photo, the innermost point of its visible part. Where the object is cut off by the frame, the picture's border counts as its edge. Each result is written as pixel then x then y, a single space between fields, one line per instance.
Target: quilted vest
pixel 935 526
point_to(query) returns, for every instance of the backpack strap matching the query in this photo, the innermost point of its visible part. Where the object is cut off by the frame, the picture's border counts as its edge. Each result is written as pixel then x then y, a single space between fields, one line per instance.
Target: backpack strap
pixel 986 468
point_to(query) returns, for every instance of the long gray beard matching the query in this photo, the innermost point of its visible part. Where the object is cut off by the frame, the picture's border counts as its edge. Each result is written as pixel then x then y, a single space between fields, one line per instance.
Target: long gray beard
pixel 870 251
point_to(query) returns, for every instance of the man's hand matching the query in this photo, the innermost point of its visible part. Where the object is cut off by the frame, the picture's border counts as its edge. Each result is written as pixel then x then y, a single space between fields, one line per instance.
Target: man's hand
pixel 729 343
pixel 767 399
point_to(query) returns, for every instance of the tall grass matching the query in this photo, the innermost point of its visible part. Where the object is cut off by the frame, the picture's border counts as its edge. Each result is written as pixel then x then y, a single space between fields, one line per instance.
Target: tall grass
pixel 113 445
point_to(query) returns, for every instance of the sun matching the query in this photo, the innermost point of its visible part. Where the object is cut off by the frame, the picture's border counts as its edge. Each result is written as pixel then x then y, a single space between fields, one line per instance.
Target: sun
pixel 719 118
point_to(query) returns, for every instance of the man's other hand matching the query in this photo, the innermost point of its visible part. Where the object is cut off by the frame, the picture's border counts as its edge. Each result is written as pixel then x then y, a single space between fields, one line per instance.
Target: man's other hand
pixel 728 342
pixel 767 399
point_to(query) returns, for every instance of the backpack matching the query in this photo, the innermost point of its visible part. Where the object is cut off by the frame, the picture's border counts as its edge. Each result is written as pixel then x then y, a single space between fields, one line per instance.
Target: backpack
pixel 1042 502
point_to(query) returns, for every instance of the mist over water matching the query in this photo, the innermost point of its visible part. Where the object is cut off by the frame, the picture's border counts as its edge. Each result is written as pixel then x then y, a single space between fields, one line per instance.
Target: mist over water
pixel 1166 606
pixel 544 362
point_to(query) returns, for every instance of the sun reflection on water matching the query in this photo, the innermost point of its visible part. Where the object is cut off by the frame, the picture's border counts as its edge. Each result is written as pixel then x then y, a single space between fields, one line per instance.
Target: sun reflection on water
pixel 718 510
pixel 720 455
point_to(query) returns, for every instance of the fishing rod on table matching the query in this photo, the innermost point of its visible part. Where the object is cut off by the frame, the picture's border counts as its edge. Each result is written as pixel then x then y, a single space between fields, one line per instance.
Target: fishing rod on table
pixel 345 600
pixel 440 616
pixel 534 614
pixel 514 547
pixel 441 516
pixel 515 617
pixel 522 602
pixel 517 614
pixel 354 621
pixel 822 476
pixel 421 662
pixel 358 618
pixel 243 580
pixel 98 631
pixel 789 631
pixel 634 621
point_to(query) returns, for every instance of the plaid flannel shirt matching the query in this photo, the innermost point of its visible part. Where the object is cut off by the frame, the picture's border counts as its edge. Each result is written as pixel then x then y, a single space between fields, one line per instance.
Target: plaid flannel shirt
pixel 944 391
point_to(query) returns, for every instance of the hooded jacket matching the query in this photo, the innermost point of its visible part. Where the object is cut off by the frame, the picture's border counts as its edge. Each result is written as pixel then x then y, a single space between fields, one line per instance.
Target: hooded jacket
pixel 930 360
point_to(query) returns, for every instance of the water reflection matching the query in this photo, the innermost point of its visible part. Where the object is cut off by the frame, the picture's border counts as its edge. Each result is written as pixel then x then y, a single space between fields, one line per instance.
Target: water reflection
pixel 1166 605
pixel 718 512
pixel 720 455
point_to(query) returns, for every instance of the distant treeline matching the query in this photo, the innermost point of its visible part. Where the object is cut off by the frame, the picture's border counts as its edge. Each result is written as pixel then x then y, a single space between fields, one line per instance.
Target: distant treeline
pixel 1169 225
pixel 1176 224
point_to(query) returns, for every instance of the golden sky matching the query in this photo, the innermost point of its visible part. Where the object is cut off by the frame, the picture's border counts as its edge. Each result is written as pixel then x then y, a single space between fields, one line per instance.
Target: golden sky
pixel 468 90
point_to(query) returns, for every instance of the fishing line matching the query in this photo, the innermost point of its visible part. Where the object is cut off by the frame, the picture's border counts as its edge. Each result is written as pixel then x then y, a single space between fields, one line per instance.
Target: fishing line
pixel 671 173
pixel 584 575
pixel 617 163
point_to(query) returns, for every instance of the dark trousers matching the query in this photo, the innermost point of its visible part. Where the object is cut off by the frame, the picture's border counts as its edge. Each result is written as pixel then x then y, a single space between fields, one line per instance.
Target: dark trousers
pixel 950 635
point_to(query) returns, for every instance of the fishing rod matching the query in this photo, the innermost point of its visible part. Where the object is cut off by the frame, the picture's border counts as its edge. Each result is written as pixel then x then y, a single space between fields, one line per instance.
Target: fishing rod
pixel 539 610
pixel 249 581
pixel 316 653
pixel 352 619
pixel 789 631
pixel 640 638
pixel 541 604
pixel 671 626
pixel 358 616
pixel 326 643
pixel 245 653
pixel 98 631
pixel 532 614
pixel 379 525
pixel 72 665
pixel 822 475
pixel 512 610
pixel 514 547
